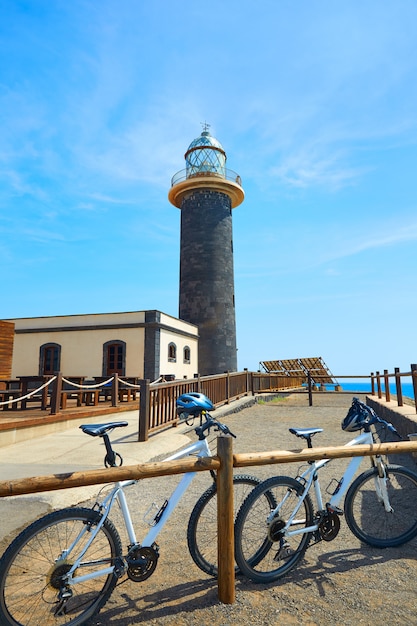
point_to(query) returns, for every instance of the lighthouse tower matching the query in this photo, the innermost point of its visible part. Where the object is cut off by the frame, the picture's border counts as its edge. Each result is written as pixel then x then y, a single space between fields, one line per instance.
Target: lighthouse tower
pixel 206 192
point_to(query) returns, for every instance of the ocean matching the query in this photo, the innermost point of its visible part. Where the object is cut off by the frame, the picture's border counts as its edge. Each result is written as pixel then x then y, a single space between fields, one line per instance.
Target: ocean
pixel 365 387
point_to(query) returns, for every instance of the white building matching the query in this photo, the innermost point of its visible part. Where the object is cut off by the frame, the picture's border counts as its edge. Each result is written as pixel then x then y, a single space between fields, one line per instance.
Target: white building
pixel 143 344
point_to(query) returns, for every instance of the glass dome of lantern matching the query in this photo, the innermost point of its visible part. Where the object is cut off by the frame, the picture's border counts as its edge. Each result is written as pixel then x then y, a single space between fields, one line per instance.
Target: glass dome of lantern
pixel 205 156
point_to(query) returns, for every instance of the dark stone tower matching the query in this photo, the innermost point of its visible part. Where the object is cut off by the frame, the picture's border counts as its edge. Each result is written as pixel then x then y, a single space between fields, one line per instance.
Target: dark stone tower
pixel 206 192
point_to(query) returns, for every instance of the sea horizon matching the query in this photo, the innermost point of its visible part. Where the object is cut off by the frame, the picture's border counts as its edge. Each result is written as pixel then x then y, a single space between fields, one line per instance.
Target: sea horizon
pixel 365 387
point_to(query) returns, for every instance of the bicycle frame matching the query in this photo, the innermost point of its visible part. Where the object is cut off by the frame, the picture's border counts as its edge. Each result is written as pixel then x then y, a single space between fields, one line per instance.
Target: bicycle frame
pixel 310 476
pixel 200 449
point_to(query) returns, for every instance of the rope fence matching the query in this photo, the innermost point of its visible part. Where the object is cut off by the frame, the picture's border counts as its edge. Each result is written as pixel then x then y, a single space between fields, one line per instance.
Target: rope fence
pixel 28 395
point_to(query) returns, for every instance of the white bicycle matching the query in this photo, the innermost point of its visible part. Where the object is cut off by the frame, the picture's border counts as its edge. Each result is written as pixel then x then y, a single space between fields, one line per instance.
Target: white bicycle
pixel 62 569
pixel 278 520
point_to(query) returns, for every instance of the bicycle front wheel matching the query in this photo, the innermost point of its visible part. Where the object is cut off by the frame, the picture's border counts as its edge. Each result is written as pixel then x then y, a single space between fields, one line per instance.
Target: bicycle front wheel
pixel 264 550
pixel 202 526
pixel 366 513
pixel 35 563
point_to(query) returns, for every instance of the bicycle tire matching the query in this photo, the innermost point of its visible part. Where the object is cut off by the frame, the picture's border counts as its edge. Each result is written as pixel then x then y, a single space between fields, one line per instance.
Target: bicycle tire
pixel 366 515
pixel 30 570
pixel 202 525
pixel 262 553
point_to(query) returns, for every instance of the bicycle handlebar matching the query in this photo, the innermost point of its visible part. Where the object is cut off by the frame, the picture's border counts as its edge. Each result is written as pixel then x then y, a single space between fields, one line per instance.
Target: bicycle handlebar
pixel 374 417
pixel 211 422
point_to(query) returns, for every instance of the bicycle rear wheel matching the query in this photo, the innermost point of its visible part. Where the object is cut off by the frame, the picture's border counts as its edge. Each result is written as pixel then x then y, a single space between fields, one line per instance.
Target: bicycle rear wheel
pixel 365 511
pixel 263 551
pixel 32 568
pixel 202 526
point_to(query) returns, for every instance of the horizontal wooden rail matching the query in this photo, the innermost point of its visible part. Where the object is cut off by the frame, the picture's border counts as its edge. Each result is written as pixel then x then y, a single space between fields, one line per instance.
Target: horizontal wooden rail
pixel 36 484
pixel 94 477
pixel 315 454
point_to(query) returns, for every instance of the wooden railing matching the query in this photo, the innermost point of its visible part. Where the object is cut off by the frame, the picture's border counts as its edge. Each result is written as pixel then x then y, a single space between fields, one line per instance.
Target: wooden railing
pixel 157 401
pixel 224 463
pixel 379 384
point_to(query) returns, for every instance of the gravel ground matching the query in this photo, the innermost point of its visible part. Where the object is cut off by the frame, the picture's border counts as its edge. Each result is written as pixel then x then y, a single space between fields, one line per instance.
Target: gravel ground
pixel 338 582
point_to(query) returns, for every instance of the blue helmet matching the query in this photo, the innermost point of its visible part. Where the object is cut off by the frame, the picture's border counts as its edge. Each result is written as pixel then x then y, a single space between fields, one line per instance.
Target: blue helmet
pixel 193 403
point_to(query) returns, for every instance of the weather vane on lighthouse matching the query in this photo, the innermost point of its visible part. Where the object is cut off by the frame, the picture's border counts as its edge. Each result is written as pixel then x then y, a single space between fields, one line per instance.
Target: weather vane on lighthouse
pixel 205 126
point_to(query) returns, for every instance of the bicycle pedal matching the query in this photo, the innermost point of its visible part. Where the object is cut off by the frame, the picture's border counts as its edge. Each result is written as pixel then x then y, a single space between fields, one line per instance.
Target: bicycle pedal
pixel 120 567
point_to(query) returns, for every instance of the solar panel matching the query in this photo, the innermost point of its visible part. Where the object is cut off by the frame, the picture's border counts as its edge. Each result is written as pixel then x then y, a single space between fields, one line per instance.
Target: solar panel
pixel 315 366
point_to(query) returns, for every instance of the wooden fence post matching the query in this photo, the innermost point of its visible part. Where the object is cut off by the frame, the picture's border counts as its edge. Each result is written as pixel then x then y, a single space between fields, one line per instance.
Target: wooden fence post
pixel 378 384
pixel 115 390
pixel 387 389
pixel 144 409
pixel 414 379
pixel 398 386
pixel 56 395
pixel 310 392
pixel 372 384
pixel 225 521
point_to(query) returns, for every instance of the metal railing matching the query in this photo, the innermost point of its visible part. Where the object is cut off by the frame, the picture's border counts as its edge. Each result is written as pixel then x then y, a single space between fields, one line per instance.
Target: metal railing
pixel 223 173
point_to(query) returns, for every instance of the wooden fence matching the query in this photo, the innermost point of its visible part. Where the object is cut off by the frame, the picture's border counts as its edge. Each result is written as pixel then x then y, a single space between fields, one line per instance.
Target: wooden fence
pixel 156 401
pixel 380 384
pixel 224 463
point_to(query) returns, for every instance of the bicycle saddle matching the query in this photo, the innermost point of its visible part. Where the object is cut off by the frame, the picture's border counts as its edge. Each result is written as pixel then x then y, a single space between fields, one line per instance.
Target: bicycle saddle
pixel 98 430
pixel 305 432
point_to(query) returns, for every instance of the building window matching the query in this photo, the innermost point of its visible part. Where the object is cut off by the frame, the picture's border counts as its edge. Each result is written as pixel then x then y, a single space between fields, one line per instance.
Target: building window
pixel 49 359
pixel 114 358
pixel 187 354
pixel 172 353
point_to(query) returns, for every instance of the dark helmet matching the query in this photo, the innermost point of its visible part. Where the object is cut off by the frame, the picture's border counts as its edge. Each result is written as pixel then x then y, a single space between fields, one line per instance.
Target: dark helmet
pixel 357 418
pixel 193 404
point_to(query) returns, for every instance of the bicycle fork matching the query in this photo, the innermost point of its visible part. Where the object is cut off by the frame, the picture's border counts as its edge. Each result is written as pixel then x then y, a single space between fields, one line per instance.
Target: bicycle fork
pixel 381 484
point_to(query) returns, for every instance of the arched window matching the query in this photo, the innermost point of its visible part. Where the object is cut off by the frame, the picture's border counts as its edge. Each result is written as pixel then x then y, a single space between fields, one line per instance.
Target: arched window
pixel 49 359
pixel 187 354
pixel 172 353
pixel 114 357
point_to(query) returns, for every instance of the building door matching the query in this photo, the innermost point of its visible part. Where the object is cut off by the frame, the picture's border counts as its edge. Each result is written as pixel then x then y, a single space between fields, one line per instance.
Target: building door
pixel 50 359
pixel 115 361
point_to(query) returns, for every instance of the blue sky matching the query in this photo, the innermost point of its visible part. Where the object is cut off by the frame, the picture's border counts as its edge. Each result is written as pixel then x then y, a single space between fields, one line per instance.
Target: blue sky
pixel 315 103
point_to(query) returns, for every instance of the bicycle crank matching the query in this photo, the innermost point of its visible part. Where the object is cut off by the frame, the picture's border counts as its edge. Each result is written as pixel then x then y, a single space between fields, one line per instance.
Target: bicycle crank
pixel 141 562
pixel 329 526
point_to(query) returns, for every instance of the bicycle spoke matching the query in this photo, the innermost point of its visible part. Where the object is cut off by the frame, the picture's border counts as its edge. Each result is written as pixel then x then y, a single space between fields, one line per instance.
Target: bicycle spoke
pixel 264 549
pixel 36 562
pixel 366 512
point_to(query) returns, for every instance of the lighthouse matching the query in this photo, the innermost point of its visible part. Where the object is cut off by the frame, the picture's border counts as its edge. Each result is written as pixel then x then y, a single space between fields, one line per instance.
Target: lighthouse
pixel 206 192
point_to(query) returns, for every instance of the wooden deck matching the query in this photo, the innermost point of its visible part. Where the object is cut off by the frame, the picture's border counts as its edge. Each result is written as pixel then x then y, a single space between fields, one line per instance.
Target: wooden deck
pixel 32 417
